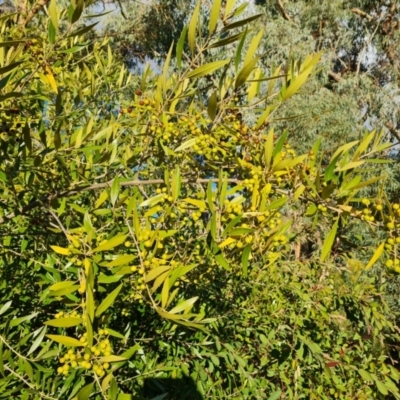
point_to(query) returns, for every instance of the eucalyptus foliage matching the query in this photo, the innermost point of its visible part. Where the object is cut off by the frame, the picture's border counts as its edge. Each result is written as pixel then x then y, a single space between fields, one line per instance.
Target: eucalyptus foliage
pixel 159 240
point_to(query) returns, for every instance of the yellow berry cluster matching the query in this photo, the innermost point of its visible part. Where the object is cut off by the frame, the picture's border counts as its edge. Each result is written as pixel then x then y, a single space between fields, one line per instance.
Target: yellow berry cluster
pixel 273 220
pixel 87 358
pixel 323 209
pixel 279 241
pixel 73 314
pixel 232 210
pixel 367 212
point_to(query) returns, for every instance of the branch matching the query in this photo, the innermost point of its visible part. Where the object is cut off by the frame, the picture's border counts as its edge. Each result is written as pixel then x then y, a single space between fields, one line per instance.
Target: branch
pixel 362 13
pixel 283 11
pixel 335 76
pixel 96 186
pixel 33 11
pixel 392 129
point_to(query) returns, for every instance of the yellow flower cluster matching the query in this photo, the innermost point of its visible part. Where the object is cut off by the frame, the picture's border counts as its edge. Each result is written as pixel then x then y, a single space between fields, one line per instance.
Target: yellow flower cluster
pixel 90 358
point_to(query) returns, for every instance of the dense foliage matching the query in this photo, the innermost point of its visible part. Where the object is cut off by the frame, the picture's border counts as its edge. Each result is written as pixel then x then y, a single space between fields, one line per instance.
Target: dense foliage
pixel 160 240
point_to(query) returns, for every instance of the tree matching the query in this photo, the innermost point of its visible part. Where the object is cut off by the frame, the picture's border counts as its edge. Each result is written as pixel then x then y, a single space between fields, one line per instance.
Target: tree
pixel 358 87
pixel 147 225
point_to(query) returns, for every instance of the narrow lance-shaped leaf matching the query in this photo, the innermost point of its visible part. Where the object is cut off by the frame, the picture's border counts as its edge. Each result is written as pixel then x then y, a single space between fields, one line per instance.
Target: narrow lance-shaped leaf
pixel 165 293
pixel 214 16
pixel 298 81
pixel 242 22
pixel 86 391
pixel 53 13
pixel 64 322
pixel 65 340
pixel 179 47
pixel 376 256
pixel 110 244
pixel 330 239
pixel 37 341
pixel 212 106
pixel 5 307
pixel 229 4
pixel 228 40
pixel 183 306
pixel 108 301
pixel 114 191
pixel 176 183
pixel 193 27
pixel 207 69
pixel 166 65
pixel 245 72
pixel 238 55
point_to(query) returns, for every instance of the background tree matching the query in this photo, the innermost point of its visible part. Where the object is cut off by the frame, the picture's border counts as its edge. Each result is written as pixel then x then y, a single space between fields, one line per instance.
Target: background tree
pixel 159 237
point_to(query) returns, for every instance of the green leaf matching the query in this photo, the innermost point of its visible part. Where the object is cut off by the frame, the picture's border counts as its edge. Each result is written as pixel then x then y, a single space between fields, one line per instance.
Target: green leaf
pixel 9 67
pixel 37 341
pixel 207 69
pixel 276 395
pixel 376 256
pixel 350 165
pixel 253 46
pixel 212 105
pixel 53 13
pixel 152 201
pixel 326 248
pixel 242 22
pixel 239 49
pixel 86 391
pixel 193 27
pixel 179 47
pixel 329 172
pixel 214 16
pixel 228 40
pixel 108 301
pixel 20 320
pixel 65 291
pixel 166 64
pixel 165 293
pixel 114 191
pixel 381 387
pixel 222 261
pixel 176 184
pixel 229 4
pixel 5 307
pixel 61 285
pixel 186 145
pixel 115 333
pixel 183 306
pixel 279 144
pixel 77 11
pixel 121 259
pixel 82 31
pixel 245 72
pixel 66 322
pixel 65 340
pixel 299 80
pixel 365 375
pixel 60 250
pixel 112 358
pixel 111 243
pixel 12 43
pixel 155 272
pixel 27 137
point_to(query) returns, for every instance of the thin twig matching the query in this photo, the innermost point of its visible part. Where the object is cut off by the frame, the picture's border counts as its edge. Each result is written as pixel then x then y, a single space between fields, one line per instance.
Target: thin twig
pixel 97 186
pixel 42 395
pixel 59 223
pixel 283 11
